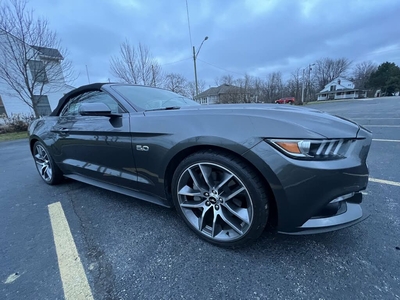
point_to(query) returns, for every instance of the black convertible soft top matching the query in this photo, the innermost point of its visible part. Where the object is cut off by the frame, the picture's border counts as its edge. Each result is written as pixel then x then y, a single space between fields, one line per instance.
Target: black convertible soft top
pixel 67 96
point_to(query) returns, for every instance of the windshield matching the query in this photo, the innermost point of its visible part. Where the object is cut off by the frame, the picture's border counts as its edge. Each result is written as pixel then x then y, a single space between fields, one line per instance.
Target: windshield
pixel 148 98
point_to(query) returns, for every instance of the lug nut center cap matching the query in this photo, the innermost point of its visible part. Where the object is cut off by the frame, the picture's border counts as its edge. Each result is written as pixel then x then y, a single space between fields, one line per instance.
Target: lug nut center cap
pixel 213 200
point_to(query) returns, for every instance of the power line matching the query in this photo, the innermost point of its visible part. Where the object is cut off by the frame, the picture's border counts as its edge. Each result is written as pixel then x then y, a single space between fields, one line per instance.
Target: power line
pixel 174 62
pixel 190 33
pixel 221 68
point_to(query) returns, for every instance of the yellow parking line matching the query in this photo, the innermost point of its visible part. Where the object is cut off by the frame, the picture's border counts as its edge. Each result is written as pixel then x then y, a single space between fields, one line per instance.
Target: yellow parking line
pixel 368 118
pixel 73 277
pixel 381 125
pixel 384 181
pixel 383 140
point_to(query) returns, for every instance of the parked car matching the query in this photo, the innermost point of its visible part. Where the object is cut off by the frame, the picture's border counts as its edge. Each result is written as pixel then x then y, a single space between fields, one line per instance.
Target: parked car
pixel 227 169
pixel 287 100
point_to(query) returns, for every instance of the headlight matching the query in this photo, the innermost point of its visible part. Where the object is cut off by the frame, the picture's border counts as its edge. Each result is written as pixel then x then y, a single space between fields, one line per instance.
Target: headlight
pixel 313 149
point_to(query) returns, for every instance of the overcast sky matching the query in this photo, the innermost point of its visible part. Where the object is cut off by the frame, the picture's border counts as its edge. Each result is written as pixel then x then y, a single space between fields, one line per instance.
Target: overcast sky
pixel 254 36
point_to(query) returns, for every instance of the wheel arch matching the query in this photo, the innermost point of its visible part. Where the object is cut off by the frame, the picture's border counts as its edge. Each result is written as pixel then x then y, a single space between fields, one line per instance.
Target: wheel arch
pixel 179 156
pixel 32 141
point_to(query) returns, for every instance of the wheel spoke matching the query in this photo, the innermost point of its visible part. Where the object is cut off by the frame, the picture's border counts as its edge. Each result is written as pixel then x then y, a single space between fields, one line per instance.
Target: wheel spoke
pixel 227 177
pixel 239 212
pixel 196 180
pixel 201 219
pixel 43 171
pixel 214 223
pixel 235 193
pixel 188 191
pixel 192 204
pixel 39 157
pixel 230 222
pixel 206 171
pixel 49 172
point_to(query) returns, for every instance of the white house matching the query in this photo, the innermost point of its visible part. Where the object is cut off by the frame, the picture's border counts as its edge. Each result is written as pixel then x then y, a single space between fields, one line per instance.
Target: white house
pixel 44 65
pixel 340 88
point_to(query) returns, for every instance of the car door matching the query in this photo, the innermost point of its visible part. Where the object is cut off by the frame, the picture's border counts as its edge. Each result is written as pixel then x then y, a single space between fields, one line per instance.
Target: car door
pixel 97 147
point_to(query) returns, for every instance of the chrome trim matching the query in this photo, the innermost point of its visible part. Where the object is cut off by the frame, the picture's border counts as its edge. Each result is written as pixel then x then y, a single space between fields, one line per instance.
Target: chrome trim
pixel 341 198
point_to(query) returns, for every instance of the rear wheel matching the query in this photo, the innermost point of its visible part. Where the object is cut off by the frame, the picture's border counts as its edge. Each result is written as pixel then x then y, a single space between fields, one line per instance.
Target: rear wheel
pixel 48 170
pixel 221 198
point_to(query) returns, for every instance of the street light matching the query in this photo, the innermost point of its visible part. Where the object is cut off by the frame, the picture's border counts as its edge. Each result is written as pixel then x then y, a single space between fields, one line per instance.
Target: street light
pixel 194 61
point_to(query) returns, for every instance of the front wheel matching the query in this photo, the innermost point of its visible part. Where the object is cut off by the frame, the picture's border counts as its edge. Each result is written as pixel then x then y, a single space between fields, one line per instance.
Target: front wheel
pixel 45 165
pixel 221 198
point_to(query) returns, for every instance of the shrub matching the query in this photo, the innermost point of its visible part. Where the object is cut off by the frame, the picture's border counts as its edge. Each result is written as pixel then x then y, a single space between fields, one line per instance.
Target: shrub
pixel 15 123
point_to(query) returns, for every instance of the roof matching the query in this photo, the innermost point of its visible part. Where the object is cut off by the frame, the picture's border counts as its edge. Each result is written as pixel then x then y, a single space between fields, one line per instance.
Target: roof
pixel 50 52
pixel 336 82
pixel 222 89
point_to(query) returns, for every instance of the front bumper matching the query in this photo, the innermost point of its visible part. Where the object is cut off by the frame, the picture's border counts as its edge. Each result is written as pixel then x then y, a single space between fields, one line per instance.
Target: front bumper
pixel 303 189
pixel 349 213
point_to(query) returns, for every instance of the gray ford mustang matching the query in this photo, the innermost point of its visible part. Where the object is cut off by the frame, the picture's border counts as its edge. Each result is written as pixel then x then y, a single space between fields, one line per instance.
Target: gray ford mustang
pixel 227 169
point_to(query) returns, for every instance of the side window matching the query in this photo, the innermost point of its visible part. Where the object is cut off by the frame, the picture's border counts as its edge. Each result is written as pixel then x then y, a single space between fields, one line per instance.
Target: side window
pixel 72 107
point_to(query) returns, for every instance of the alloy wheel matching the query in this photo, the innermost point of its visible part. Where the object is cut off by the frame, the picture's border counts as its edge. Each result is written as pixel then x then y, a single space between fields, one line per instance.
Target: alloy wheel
pixel 43 163
pixel 215 201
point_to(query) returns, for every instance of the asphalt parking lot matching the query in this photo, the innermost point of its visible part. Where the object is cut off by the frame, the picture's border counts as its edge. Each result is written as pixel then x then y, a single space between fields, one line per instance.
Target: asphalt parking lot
pixel 135 250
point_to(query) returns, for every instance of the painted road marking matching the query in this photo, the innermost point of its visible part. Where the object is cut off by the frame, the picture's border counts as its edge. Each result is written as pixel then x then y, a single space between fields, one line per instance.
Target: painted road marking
pixel 383 140
pixel 73 277
pixel 12 278
pixel 381 125
pixel 368 118
pixel 384 181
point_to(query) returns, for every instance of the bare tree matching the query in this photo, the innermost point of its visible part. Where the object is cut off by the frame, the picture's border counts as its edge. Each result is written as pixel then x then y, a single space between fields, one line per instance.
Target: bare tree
pixel 294 85
pixel 176 83
pixel 362 72
pixel 32 61
pixel 136 65
pixel 191 88
pixel 225 79
pixel 273 87
pixel 327 69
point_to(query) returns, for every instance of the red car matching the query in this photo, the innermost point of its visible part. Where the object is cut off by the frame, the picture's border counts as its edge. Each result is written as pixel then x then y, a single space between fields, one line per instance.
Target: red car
pixel 287 100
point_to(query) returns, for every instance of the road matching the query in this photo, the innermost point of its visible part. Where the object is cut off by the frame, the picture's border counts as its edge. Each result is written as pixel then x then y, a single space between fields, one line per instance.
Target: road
pixel 135 250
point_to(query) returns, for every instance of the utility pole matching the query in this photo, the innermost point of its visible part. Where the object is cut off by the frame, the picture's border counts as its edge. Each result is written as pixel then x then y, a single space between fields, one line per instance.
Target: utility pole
pixel 302 88
pixel 309 80
pixel 195 70
pixel 87 73
pixel 194 62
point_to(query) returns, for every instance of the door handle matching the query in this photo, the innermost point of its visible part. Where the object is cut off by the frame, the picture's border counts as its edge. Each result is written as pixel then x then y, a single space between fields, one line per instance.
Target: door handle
pixel 60 130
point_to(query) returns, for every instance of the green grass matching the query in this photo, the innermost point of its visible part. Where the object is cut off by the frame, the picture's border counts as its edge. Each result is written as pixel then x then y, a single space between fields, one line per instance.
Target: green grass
pixel 13 136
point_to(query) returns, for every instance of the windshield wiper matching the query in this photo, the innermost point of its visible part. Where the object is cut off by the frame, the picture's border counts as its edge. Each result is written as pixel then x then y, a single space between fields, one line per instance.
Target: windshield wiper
pixel 164 108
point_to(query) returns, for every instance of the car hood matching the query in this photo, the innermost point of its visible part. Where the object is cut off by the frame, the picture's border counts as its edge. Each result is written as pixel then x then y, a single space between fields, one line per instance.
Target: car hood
pixel 280 116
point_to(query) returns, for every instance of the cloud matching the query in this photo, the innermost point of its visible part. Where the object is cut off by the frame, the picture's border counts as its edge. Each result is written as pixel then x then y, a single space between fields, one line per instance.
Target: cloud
pixel 252 36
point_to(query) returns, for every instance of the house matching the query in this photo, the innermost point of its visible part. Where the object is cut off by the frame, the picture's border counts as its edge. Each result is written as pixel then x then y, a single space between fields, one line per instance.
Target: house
pixel 225 93
pixel 44 68
pixel 340 88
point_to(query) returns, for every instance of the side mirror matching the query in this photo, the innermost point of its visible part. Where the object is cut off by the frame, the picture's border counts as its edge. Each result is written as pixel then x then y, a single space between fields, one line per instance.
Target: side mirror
pixel 96 109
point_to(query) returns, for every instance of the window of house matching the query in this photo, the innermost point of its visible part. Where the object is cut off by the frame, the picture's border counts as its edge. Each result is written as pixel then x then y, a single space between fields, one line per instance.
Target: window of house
pixel 42 105
pixel 38 71
pixel 2 108
pixel 333 88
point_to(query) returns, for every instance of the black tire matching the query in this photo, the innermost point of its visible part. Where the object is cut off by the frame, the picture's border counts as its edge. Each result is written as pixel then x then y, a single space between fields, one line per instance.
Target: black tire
pixel 44 162
pixel 218 207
